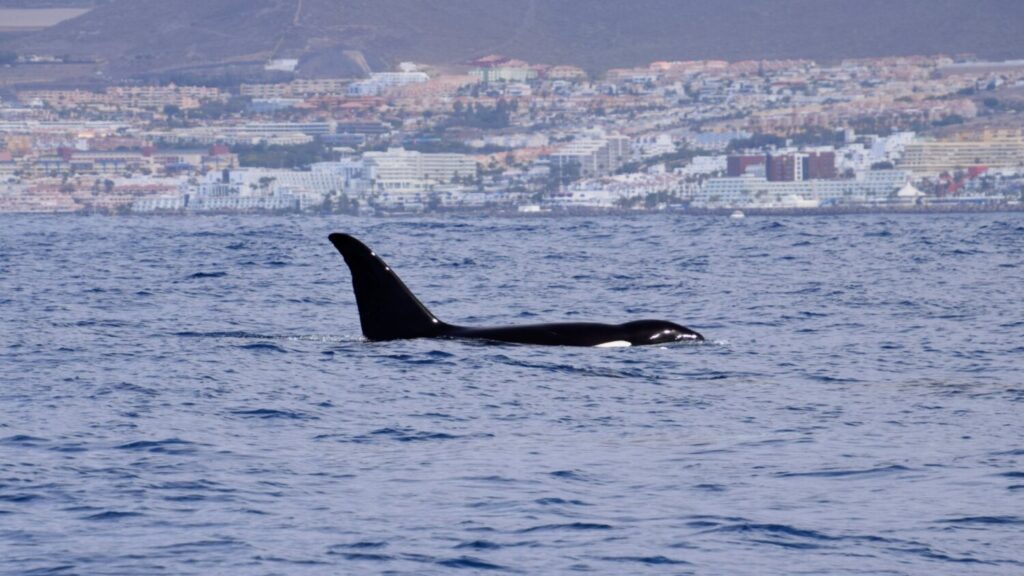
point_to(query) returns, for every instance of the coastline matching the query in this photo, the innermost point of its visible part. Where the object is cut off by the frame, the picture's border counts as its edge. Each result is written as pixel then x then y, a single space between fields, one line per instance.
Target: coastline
pixel 573 212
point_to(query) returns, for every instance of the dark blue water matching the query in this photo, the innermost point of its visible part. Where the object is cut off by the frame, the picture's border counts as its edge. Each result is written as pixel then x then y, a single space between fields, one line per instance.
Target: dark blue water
pixel 192 396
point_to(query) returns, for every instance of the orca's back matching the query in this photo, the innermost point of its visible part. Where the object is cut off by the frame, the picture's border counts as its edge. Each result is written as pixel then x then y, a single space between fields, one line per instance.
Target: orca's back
pixel 387 309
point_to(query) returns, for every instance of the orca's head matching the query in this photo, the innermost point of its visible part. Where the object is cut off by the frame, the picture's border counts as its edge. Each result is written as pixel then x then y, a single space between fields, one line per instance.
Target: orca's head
pixel 644 332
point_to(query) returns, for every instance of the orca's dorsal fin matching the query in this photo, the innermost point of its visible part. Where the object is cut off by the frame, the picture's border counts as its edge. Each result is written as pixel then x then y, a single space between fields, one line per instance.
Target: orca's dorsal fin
pixel 387 309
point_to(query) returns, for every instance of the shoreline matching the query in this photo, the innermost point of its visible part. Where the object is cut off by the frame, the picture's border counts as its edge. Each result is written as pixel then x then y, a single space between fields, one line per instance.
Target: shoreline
pixel 574 212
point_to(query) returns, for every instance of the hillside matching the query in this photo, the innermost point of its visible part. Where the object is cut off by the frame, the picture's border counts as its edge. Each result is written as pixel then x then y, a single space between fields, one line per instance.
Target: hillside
pixel 133 37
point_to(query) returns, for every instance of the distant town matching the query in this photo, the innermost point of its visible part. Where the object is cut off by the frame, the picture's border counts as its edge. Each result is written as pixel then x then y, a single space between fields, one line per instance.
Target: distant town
pixel 505 136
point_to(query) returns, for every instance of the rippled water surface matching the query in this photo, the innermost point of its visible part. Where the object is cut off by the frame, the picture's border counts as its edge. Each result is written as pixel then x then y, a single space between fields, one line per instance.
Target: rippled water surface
pixel 193 396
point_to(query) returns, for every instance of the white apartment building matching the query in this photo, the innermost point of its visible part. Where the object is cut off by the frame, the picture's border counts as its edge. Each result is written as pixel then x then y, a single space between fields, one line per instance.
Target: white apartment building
pixel 519 74
pixel 262 128
pixel 607 192
pixel 400 165
pixel 650 146
pixel 871 187
pixel 381 81
pixel 704 165
pixel 164 203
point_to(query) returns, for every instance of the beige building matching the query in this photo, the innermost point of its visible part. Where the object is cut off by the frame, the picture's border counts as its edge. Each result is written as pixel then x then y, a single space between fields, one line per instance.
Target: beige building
pixel 595 156
pixel 992 149
pixel 299 87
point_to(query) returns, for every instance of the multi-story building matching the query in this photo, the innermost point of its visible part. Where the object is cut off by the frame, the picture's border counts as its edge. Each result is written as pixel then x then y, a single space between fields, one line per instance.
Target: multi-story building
pixel 595 156
pixel 298 87
pixel 869 188
pixel 35 198
pixel 784 168
pixel 737 166
pixel 265 128
pixel 398 164
pixel 819 165
pixel 792 167
pixel 491 75
pixel 381 81
pixel 565 72
pixel 993 149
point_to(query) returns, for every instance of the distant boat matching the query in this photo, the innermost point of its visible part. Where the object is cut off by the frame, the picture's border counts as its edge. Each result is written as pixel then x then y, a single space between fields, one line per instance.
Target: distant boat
pixel 737 215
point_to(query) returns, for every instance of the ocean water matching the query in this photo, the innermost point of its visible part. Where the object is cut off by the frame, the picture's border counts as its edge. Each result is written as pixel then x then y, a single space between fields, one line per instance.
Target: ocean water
pixel 193 396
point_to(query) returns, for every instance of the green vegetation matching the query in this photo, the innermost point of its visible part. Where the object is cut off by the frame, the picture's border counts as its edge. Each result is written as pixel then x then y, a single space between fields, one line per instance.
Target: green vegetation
pixel 817 136
pixel 756 142
pixel 949 120
pixel 997 105
pixel 672 160
pixel 264 156
pixel 339 204
pixel 811 136
pixel 214 110
pixel 480 116
pixel 649 201
pixel 449 146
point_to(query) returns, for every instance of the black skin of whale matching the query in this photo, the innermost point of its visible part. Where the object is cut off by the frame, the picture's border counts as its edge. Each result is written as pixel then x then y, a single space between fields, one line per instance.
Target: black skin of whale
pixel 389 311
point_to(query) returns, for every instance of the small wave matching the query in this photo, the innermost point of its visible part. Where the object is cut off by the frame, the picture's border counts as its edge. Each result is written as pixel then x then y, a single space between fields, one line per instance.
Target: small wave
pixel 362 544
pixel 357 556
pixel 319 338
pixel 926 552
pixel 23 439
pixel 569 475
pixel 405 434
pixel 575 370
pixel 19 498
pixel 170 445
pixel 651 560
pixel 206 485
pixel 560 501
pixel 845 473
pixel 223 334
pixel 129 387
pixel 112 515
pixel 200 544
pixel 568 526
pixel 263 346
pixel 774 529
pixel 984 520
pixel 206 234
pixel 433 357
pixel 478 545
pixel 59 569
pixel 218 274
pixel 469 562
pixel 710 487
pixel 293 561
pixel 267 413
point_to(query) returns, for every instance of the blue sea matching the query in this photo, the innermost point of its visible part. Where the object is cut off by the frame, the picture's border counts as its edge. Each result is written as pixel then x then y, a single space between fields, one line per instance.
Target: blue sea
pixel 193 396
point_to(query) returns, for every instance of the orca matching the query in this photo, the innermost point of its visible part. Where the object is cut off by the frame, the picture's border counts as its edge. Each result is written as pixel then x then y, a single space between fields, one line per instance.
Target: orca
pixel 389 311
